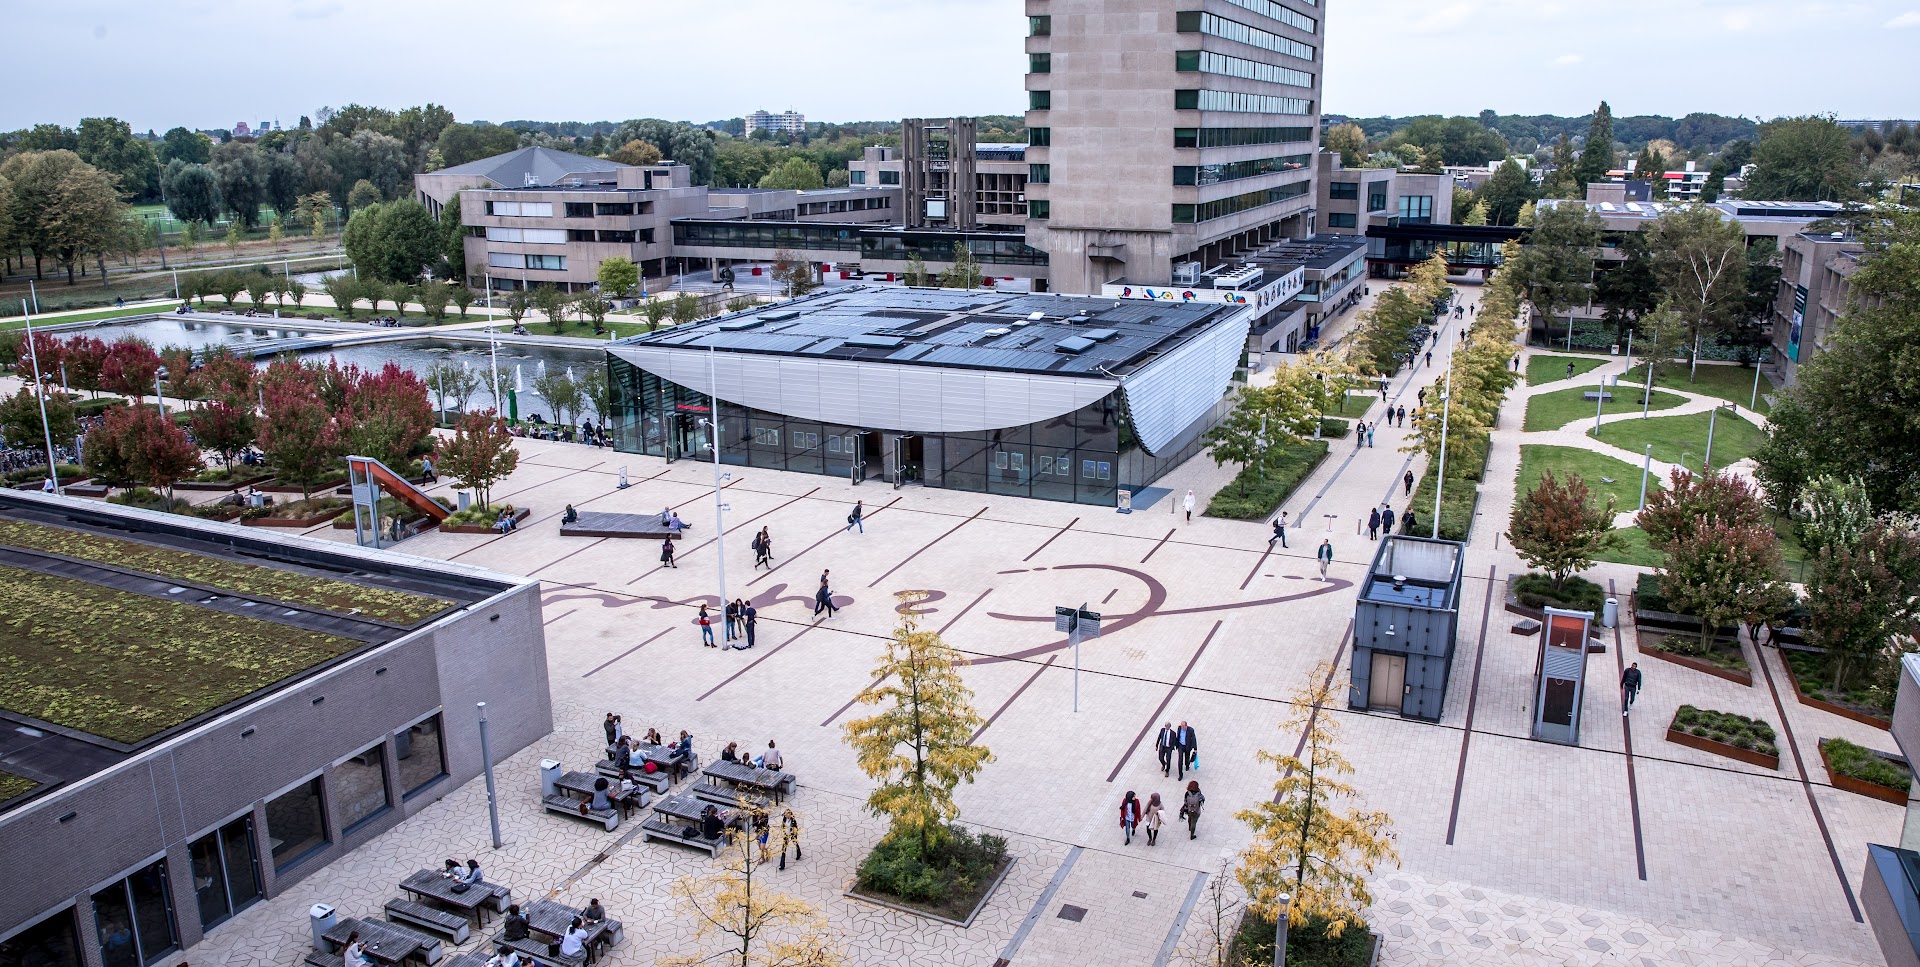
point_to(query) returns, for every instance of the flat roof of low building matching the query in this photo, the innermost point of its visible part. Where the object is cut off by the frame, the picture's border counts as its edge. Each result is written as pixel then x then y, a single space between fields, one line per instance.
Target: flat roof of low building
pixel 978 329
pixel 129 627
pixel 1733 208
pixel 544 165
pixel 1320 251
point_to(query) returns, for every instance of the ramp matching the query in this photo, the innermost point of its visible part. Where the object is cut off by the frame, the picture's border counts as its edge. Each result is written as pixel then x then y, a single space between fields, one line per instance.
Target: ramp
pixel 367 478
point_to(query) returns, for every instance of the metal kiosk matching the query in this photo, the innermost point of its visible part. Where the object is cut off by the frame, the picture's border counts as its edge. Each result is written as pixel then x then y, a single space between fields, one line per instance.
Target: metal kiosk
pixel 1560 675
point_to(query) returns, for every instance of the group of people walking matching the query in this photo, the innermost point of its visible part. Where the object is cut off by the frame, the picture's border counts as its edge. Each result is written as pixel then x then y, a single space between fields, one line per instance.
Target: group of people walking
pixel 1179 749
pixel 1382 520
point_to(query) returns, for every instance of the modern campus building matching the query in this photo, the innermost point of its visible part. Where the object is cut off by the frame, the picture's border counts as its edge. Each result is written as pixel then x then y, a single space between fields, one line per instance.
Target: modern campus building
pixel 785 122
pixel 1160 135
pixel 1029 395
pixel 999 196
pixel 1814 269
pixel 132 823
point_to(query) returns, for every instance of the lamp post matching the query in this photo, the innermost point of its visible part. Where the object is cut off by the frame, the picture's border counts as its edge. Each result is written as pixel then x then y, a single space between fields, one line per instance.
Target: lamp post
pixel 40 392
pixel 486 760
pixel 160 399
pixel 1706 462
pixel 1283 902
pixel 719 500
pixel 1645 469
pixel 1753 402
pixel 1646 395
pixel 493 349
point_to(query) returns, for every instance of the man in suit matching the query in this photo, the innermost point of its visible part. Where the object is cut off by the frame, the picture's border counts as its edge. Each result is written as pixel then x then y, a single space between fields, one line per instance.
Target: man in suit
pixel 1165 746
pixel 1188 744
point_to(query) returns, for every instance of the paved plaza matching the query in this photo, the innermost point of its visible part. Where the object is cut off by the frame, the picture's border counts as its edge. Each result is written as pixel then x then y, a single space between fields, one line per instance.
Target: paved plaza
pixel 1627 850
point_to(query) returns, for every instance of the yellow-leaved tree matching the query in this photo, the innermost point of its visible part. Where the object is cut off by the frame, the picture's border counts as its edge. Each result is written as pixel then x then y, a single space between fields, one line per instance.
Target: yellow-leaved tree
pixel 1302 844
pixel 918 747
pixel 1429 279
pixel 740 920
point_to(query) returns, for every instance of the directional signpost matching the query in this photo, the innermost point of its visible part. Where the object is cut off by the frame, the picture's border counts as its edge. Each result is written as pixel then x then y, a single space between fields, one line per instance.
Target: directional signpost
pixel 1078 623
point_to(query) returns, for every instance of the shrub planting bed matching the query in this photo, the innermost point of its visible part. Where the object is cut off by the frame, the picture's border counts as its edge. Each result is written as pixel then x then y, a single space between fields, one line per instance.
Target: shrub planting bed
pixel 1725 733
pixel 480 520
pixel 298 513
pixel 217 480
pixel 951 885
pixel 1307 944
pixel 1812 678
pixel 125 667
pixel 252 580
pixel 1578 594
pixel 1860 770
pixel 1255 494
pixel 1723 659
pixel 34 476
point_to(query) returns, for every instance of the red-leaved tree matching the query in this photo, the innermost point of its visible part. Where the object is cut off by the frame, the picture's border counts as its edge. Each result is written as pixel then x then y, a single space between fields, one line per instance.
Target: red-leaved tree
pixel 224 428
pixel 178 362
pixel 478 454
pixel 1692 501
pixel 1723 573
pixel 84 355
pixel 227 376
pixel 135 444
pixel 298 433
pixel 387 415
pixel 1559 529
pixel 129 368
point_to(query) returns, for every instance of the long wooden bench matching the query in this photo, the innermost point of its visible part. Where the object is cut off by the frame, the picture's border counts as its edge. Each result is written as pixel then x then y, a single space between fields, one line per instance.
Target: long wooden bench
pixel 472 958
pixel 727 796
pixel 567 806
pixel 639 526
pixel 536 950
pixel 660 782
pixel 501 895
pixel 315 958
pixel 673 831
pixel 452 926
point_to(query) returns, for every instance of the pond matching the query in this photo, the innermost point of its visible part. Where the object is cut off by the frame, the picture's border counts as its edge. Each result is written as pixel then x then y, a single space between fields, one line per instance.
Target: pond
pixel 519 363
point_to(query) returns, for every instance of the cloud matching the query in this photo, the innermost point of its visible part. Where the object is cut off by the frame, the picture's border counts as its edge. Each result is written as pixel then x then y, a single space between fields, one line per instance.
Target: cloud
pixel 1737 20
pixel 1567 60
pixel 1909 19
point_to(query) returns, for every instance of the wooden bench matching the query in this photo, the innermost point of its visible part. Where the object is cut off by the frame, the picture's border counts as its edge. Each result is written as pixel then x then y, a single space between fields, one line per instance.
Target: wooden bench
pixel 728 796
pixel 536 950
pixel 501 893
pixel 567 806
pixel 673 831
pixel 452 926
pixel 472 958
pixel 315 958
pixel 1594 396
pixel 646 527
pixel 660 782
pixel 1526 626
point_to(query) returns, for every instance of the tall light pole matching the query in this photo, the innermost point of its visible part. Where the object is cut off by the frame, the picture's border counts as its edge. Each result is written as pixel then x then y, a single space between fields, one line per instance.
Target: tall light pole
pixel 1753 402
pixel 1706 463
pixel 493 349
pixel 40 391
pixel 1645 469
pixel 1646 395
pixel 486 760
pixel 159 398
pixel 719 499
pixel 1284 902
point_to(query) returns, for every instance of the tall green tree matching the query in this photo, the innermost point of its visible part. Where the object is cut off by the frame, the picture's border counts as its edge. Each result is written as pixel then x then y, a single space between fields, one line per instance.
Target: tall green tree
pixel 1699 258
pixel 243 181
pixel 964 273
pixel 392 241
pixel 1804 159
pixel 109 144
pixel 618 276
pixel 1596 156
pixel 1559 528
pixel 1509 188
pixel 190 147
pixel 1563 181
pixel 1555 267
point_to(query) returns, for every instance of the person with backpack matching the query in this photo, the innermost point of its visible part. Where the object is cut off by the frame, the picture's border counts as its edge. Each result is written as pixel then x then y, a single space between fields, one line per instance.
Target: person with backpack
pixel 858 518
pixel 1190 808
pixel 666 554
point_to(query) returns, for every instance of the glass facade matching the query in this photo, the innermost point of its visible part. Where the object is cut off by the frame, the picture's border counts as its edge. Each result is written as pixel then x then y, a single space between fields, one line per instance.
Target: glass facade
pixel 1039 100
pixel 1234 171
pixel 998 248
pixel 1235 101
pixel 226 872
pixel 1267 8
pixel 1221 208
pixel 1208 62
pixel 135 919
pixel 1376 196
pixel 52 942
pixel 737 234
pixel 422 755
pixel 1039 208
pixel 1343 191
pixel 1342 220
pixel 297 823
pixel 1235 137
pixel 1416 209
pixel 1197 21
pixel 1039 174
pixel 1085 457
pixel 360 788
pixel 1039 63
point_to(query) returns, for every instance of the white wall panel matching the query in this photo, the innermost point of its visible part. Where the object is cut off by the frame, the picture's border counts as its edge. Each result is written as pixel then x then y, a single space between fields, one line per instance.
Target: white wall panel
pixel 1170 393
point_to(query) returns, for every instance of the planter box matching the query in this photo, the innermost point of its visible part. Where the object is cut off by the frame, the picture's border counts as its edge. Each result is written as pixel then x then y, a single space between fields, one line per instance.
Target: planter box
pixel 1704 744
pixel 520 517
pixel 321 487
pixel 215 486
pixel 1863 718
pixel 312 521
pixel 1871 790
pixel 345 521
pixel 1743 678
pixel 852 892
pixel 89 490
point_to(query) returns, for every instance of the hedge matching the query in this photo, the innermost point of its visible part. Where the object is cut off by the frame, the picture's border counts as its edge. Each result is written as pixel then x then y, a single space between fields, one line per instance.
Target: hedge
pixel 1253 494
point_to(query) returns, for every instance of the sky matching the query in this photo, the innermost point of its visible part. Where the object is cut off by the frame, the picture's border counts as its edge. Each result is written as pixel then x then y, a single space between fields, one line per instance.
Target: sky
pixel 210 63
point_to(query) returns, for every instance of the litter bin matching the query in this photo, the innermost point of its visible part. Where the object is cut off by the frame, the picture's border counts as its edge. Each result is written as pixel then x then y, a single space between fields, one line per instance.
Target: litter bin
pixel 549 777
pixel 464 500
pixel 321 917
pixel 1610 614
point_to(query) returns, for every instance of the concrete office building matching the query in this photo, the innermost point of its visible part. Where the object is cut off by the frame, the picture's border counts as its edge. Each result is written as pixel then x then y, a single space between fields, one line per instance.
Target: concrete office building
pixel 1351 200
pixel 522 168
pixel 1026 395
pixel 1159 135
pixel 1814 270
pixel 999 199
pixel 785 122
pixel 125 851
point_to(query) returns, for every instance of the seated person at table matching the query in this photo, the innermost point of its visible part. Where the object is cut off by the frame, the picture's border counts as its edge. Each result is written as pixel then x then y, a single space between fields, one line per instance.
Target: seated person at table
pixel 771 759
pixel 355 954
pixel 653 737
pixel 573 943
pixel 628 793
pixel 710 822
pixel 504 958
pixel 571 516
pixel 623 753
pixel 515 926
pixel 682 755
pixel 600 802
pixel 463 877
pixel 594 913
pixel 731 753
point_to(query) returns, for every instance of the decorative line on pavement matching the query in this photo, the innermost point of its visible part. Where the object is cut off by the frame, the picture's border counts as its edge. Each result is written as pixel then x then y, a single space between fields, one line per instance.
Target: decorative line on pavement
pixel 1473 695
pixel 1056 534
pixel 1332 670
pixel 1166 699
pixel 1180 923
pixel 1819 819
pixel 1157 545
pixel 556 617
pixel 923 548
pixel 876 682
pixel 1633 787
pixel 680 554
pixel 769 571
pixel 657 636
pixel 963 612
pixel 1039 906
pixel 750 665
pixel 1012 698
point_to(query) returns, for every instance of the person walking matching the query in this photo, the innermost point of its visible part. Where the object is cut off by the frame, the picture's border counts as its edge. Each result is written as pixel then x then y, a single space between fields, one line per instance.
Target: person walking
pixel 789 836
pixel 1129 817
pixel 705 621
pixel 1407 521
pixel 1188 503
pixel 1187 744
pixel 1325 556
pixel 666 554
pixel 1165 745
pixel 1151 819
pixel 1407 479
pixel 823 599
pixel 1279 531
pixel 749 620
pixel 1373 525
pixel 732 615
pixel 858 517
pixel 1370 435
pixel 1360 434
pixel 1569 370
pixel 759 546
pixel 1429 357
pixel 1401 413
pixel 1190 808
pixel 1629 687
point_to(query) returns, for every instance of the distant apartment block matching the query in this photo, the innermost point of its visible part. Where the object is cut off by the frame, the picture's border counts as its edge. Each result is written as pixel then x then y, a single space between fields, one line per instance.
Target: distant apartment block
pixel 785 122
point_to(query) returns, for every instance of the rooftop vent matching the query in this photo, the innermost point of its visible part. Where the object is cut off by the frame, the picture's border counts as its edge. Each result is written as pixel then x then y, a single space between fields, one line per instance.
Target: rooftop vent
pixel 872 342
pixel 1073 345
pixel 1099 335
pixel 781 316
pixel 1036 316
pixel 997 331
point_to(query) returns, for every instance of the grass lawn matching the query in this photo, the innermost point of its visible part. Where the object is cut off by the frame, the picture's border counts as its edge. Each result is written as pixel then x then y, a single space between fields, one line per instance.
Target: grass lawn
pixel 1683 439
pixel 1548 369
pixel 1731 383
pixel 304 590
pixel 1356 404
pixel 20 322
pixel 12 786
pixel 1633 550
pixel 124 666
pixel 1591 467
pixel 1551 411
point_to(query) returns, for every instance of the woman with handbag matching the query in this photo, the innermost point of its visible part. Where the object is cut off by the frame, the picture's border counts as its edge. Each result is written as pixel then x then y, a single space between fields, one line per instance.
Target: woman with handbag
pixel 1152 819
pixel 666 554
pixel 1129 817
pixel 1190 808
pixel 705 621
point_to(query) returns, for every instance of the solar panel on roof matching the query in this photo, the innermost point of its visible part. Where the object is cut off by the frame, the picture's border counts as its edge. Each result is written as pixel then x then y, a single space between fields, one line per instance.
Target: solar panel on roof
pixel 739 324
pixel 1073 345
pixel 872 342
pixel 1100 335
pixel 780 316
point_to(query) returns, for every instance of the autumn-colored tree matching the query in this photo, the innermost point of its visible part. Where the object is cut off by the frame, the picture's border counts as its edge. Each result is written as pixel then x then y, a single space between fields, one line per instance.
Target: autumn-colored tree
pixel 298 434
pixel 84 356
pixel 1864 598
pixel 129 367
pixel 135 444
pixel 478 454
pixel 44 351
pixel 1429 280
pixel 1558 527
pixel 20 419
pixel 227 376
pixel 1301 845
pixel 224 428
pixel 178 362
pixel 1693 501
pixel 740 920
pixel 919 747
pixel 1722 572
pixel 387 415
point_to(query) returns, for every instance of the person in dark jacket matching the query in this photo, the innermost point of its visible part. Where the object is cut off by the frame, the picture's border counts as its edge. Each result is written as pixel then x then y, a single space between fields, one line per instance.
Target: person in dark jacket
pixel 1373 525
pixel 1629 687
pixel 1407 521
pixel 1188 743
pixel 1165 745
pixel 1407 478
pixel 515 926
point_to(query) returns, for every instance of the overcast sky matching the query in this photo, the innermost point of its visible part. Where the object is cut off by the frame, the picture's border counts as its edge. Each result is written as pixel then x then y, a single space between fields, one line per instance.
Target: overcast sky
pixel 210 63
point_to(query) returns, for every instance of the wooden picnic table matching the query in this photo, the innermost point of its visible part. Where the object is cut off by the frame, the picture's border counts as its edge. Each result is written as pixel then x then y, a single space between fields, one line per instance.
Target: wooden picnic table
pixel 434 886
pixel 382 941
pixel 743 774
pixel 685 807
pixel 581 784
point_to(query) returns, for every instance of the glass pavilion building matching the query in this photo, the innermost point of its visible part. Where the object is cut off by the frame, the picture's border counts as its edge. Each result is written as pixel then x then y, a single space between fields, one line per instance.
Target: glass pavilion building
pixel 1054 397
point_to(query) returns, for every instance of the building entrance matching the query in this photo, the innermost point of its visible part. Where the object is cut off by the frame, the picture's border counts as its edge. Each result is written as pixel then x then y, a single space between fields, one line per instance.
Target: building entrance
pixel 1388 684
